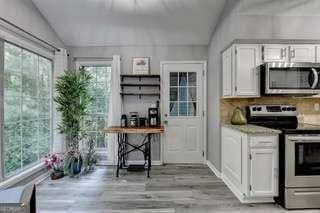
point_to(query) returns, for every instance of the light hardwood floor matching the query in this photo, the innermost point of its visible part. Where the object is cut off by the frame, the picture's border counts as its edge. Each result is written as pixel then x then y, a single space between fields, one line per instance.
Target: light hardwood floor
pixel 171 188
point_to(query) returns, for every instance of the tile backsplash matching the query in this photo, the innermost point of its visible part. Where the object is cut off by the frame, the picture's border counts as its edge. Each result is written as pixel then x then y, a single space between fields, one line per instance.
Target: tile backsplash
pixel 305 107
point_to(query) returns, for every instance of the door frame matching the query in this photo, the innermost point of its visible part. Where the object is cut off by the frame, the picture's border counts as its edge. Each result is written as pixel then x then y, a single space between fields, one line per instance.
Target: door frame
pixel 112 149
pixel 204 109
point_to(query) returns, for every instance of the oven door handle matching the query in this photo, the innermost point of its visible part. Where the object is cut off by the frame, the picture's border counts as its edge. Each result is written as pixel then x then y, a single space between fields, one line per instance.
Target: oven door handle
pixel 304 138
pixel 316 78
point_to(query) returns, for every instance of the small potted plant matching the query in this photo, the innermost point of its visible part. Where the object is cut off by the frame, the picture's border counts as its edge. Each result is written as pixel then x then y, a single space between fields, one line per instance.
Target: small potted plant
pixel 53 162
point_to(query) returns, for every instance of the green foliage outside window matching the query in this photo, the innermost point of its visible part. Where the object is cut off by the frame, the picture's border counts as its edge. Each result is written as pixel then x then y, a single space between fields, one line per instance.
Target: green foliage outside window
pixel 27 99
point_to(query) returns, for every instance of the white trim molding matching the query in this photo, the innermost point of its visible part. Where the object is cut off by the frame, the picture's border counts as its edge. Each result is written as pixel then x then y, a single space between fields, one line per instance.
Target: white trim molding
pixel 214 169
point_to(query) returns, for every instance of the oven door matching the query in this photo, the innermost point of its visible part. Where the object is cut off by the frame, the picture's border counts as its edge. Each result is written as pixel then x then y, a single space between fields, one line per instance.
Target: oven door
pixel 292 78
pixel 302 160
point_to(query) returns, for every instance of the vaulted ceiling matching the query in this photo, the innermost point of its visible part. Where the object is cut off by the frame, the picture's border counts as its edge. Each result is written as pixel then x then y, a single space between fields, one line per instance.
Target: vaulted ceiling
pixel 132 22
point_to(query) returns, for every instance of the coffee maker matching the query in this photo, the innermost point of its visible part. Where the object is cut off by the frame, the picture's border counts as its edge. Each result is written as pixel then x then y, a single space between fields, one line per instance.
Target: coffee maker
pixel 154 119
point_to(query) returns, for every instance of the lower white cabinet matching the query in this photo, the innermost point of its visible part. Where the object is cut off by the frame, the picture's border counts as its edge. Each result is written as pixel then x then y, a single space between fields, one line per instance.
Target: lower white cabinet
pixel 250 165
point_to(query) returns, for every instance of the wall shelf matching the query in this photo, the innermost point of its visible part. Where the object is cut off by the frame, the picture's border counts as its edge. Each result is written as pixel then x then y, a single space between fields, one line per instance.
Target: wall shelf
pixel 139 85
pixel 139 76
pixel 139 94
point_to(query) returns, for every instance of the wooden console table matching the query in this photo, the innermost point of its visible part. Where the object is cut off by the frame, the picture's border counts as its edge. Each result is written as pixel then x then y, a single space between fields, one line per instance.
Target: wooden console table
pixel 123 142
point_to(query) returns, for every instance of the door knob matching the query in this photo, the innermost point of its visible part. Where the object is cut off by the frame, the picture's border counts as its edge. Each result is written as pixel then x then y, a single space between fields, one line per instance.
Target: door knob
pixel 165 122
pixel 165 115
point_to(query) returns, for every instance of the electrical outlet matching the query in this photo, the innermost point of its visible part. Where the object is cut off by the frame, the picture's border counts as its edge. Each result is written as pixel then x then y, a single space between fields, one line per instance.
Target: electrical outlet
pixel 316 107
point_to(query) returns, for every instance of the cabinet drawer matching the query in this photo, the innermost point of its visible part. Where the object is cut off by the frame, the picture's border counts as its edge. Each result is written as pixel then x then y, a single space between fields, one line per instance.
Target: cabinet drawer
pixel 263 141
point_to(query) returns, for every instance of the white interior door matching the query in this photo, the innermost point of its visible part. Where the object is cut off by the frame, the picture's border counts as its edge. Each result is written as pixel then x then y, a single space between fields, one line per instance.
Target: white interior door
pixel 183 114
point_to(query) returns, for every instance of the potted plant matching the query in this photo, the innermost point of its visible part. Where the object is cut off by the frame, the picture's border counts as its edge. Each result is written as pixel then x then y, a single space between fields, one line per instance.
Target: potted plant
pixel 54 162
pixel 72 100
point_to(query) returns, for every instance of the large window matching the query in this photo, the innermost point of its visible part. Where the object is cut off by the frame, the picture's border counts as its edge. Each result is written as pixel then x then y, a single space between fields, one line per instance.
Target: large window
pixel 98 111
pixel 27 108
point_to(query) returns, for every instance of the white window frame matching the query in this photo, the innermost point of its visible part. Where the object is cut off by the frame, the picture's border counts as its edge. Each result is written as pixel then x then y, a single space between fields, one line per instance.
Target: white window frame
pixel 7 181
pixel 95 62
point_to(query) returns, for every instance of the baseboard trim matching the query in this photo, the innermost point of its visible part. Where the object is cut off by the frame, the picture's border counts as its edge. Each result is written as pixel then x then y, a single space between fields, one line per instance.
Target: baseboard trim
pixel 214 169
pixel 154 163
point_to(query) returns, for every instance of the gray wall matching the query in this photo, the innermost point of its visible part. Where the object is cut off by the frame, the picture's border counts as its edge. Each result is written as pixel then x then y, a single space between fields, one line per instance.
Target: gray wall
pixel 251 19
pixel 24 14
pixel 156 54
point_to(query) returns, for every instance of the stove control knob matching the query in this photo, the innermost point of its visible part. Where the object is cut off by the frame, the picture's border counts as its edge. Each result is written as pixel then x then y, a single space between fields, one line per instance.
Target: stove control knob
pixel 259 109
pixel 293 109
pixel 254 108
pixel 284 109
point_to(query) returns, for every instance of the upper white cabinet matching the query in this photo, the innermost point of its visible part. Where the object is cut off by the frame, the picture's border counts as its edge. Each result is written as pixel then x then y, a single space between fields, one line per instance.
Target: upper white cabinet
pixel 288 53
pixel 227 73
pixel 302 53
pixel 240 76
pixel 274 53
pixel 246 74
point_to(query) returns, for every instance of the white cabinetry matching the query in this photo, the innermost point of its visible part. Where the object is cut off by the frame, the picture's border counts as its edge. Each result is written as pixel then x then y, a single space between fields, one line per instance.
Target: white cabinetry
pixel 302 53
pixel 240 76
pixel 274 53
pixel 288 53
pixel 250 165
pixel 227 73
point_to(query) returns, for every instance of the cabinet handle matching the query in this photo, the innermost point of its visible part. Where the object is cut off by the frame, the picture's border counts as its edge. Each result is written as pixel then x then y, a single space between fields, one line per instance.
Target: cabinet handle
pixel 282 53
pixel 293 53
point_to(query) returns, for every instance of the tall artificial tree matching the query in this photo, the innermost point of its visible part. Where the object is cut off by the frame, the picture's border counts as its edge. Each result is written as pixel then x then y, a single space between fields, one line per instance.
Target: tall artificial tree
pixel 73 98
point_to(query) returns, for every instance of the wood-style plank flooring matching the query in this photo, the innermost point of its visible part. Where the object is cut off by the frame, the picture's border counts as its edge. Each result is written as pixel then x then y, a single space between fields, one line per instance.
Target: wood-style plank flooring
pixel 171 188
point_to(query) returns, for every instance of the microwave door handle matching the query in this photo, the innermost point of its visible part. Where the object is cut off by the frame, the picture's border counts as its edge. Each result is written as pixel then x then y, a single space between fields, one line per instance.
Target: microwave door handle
pixel 316 78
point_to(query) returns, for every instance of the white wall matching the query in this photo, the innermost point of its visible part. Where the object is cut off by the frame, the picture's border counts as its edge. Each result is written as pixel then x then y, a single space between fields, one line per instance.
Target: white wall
pixel 252 19
pixel 156 54
pixel 24 14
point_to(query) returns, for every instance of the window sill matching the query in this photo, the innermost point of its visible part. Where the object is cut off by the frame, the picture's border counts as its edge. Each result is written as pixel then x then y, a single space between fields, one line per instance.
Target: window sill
pixel 21 176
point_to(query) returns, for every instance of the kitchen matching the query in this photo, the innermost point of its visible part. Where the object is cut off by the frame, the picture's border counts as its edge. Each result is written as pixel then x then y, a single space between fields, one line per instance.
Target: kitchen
pixel 276 83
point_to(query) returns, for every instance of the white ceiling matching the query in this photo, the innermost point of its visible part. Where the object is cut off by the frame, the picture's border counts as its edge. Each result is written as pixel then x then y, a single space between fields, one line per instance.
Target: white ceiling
pixel 132 22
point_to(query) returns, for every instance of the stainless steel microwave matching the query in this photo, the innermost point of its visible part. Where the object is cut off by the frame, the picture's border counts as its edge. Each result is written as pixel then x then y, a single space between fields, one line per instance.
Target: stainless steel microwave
pixel 290 78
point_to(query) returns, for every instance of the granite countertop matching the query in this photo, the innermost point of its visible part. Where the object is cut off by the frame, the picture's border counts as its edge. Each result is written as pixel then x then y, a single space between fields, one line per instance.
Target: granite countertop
pixel 252 129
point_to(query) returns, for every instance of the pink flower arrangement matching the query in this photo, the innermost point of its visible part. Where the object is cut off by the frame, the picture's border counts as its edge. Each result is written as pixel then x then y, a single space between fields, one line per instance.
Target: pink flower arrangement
pixel 53 161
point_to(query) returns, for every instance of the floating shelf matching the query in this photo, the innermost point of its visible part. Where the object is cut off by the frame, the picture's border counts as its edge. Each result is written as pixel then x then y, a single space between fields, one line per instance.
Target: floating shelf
pixel 139 94
pixel 139 76
pixel 140 85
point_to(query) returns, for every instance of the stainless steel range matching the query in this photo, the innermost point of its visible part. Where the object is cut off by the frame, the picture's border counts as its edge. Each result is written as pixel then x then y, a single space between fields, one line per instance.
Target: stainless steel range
pixel 299 155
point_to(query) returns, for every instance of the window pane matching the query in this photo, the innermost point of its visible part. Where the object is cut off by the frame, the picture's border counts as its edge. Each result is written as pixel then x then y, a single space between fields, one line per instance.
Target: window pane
pixel 192 108
pixel 173 94
pixel 29 108
pixel 192 79
pixel 29 152
pixel 29 131
pixel 12 109
pixel 12 147
pixel 44 147
pixel 101 141
pixel 183 94
pixel 192 94
pixel 183 108
pixel 101 105
pixel 173 79
pixel 174 109
pixel 101 74
pixel 44 128
pixel 12 58
pixel 12 84
pixel 27 85
pixel 182 79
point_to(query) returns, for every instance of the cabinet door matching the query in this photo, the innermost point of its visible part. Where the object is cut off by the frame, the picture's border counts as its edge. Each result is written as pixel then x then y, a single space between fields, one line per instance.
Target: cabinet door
pixel 264 172
pixel 227 83
pixel 246 73
pixel 302 53
pixel 274 53
pixel 232 156
pixel 318 54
